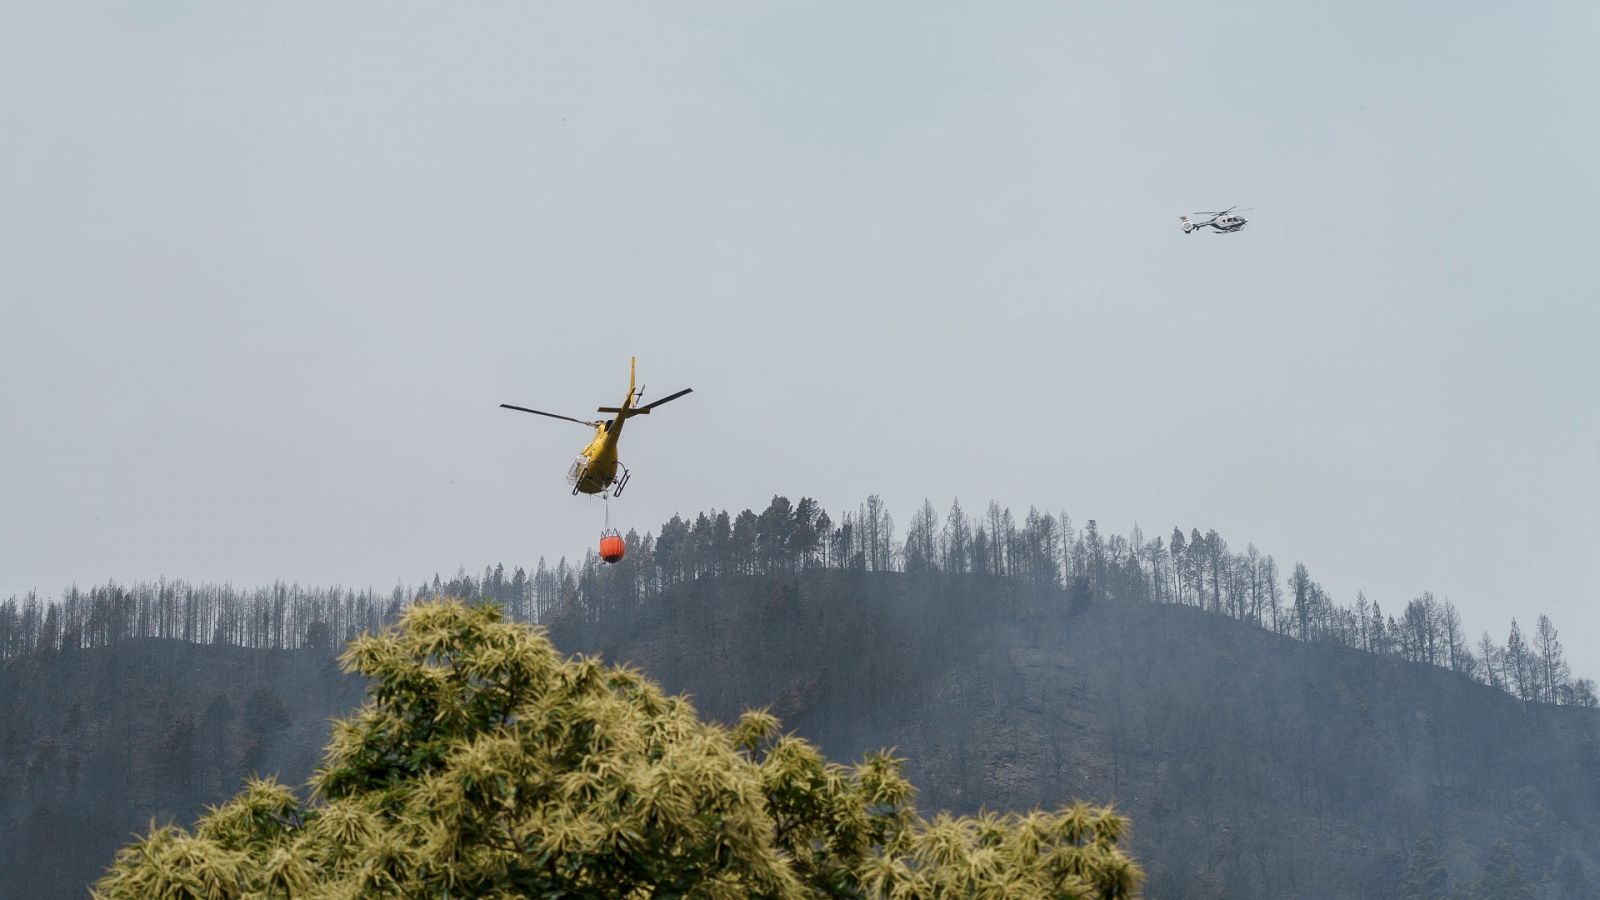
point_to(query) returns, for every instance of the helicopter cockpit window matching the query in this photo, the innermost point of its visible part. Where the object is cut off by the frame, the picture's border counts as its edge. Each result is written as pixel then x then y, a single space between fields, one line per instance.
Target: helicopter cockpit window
pixel 576 472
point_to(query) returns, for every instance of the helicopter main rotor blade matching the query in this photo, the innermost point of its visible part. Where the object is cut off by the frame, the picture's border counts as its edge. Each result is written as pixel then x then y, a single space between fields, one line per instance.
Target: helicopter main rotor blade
pixel 649 406
pixel 551 415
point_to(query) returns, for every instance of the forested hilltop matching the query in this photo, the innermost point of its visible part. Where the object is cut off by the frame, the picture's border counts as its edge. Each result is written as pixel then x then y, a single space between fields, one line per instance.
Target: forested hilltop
pixel 1265 741
pixel 1251 765
pixel 1200 570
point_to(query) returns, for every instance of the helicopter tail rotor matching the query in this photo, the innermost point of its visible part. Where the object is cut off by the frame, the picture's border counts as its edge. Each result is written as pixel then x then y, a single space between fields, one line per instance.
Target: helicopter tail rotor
pixel 668 398
pixel 644 410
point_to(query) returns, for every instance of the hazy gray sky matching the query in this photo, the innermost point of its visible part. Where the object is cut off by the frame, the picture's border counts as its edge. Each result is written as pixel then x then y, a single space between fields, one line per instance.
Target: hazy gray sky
pixel 267 270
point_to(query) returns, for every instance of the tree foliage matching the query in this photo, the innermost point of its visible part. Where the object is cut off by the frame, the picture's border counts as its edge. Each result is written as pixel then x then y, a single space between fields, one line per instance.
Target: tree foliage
pixel 1425 877
pixel 1501 878
pixel 486 765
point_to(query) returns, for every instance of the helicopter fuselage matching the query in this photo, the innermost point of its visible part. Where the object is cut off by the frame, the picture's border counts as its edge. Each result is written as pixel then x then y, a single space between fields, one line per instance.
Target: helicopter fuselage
pixel 1225 222
pixel 596 467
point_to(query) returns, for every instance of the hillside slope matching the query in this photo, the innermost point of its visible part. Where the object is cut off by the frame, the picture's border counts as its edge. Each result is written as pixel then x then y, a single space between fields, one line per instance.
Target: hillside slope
pixel 94 744
pixel 1252 765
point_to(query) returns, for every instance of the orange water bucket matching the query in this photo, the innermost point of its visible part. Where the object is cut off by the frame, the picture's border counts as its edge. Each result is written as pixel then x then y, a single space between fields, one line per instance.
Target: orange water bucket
pixel 611 548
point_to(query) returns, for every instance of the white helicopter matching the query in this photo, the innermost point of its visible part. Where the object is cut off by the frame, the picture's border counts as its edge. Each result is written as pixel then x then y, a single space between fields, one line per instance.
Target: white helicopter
pixel 1224 222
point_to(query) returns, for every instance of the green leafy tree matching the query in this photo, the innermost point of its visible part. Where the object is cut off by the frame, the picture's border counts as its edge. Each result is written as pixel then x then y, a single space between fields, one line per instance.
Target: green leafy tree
pixel 1501 878
pixel 1425 877
pixel 486 765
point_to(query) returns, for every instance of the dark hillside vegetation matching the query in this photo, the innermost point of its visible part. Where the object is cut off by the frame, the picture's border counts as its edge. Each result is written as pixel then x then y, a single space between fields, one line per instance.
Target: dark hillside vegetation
pixel 1267 740
pixel 1200 570
pixel 94 744
pixel 1251 765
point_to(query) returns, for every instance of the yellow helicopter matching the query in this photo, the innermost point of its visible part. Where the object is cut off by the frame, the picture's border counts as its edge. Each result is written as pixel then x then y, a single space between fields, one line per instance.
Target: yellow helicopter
pixel 595 469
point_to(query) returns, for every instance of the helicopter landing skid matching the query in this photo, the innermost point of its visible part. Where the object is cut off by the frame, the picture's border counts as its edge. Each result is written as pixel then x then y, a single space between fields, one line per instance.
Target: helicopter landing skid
pixel 616 490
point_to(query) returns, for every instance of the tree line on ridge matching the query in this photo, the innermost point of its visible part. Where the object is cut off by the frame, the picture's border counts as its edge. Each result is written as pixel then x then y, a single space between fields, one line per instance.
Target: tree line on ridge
pixel 1197 569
